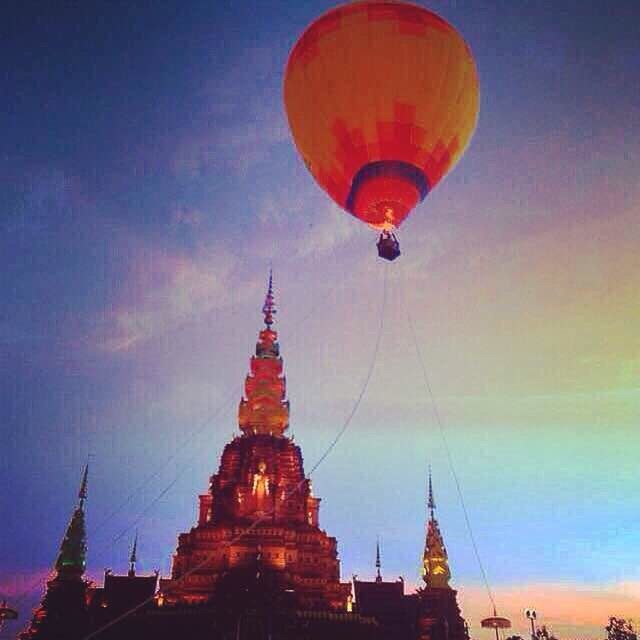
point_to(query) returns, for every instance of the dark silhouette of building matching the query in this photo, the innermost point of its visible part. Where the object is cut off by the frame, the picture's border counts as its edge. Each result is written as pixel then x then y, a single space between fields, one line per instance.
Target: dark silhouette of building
pixel 63 612
pixel 256 565
pixel 432 613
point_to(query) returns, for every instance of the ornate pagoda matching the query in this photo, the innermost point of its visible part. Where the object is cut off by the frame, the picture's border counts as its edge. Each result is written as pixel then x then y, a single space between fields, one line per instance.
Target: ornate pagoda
pixel 259 513
pixel 439 616
pixel 435 562
pixel 63 612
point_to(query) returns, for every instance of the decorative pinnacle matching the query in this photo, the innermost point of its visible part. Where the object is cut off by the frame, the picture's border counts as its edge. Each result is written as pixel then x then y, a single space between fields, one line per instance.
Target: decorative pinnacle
pixel 378 563
pixel 82 494
pixel 133 557
pixel 431 505
pixel 268 309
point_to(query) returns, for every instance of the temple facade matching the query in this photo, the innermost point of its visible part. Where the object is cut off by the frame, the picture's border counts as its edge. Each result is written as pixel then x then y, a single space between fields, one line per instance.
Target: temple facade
pixel 256 565
pixel 260 506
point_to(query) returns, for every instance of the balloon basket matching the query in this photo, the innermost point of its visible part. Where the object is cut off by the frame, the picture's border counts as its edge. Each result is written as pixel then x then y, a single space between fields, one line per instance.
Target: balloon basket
pixel 388 246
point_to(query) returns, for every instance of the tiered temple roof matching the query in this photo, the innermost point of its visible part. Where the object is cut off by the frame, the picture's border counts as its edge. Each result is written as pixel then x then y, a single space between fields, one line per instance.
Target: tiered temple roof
pixel 264 409
pixel 260 507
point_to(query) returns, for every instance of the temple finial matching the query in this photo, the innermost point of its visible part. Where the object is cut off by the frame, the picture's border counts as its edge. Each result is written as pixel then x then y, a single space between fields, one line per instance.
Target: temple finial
pixel 268 309
pixel 431 505
pixel 378 563
pixel 133 558
pixel 82 494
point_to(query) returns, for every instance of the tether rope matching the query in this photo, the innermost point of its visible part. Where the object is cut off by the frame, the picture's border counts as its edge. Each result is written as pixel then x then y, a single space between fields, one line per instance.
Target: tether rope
pixel 452 467
pixel 297 488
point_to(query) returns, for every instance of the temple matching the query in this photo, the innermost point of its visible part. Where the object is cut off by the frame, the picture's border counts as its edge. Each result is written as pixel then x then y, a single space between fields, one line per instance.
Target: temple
pixel 432 612
pixel 260 509
pixel 63 612
pixel 256 565
pixel 439 616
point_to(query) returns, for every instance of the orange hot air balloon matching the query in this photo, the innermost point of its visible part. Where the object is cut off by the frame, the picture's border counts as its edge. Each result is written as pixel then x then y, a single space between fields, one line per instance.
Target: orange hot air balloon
pixel 382 99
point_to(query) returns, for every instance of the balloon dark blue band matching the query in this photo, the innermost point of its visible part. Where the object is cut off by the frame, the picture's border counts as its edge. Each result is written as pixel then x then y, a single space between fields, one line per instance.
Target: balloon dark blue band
pixel 387 168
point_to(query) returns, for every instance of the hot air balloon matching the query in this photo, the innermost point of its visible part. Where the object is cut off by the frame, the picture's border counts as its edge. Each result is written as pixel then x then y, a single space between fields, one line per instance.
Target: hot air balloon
pixel 382 100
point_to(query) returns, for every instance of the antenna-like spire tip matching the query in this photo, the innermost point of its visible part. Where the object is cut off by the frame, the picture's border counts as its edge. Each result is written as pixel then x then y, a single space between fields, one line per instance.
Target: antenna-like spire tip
pixel 268 309
pixel 431 504
pixel 133 558
pixel 82 494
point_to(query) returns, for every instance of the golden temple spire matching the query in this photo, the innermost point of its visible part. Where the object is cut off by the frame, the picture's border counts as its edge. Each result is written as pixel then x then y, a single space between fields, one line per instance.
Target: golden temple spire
pixel 264 409
pixel 435 563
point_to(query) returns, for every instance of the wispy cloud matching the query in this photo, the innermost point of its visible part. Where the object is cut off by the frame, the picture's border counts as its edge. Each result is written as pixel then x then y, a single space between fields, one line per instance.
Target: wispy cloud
pixel 237 146
pixel 330 228
pixel 249 118
pixel 164 290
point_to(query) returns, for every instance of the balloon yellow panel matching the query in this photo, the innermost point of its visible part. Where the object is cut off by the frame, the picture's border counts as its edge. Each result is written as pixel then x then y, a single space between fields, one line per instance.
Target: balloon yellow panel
pixel 382 99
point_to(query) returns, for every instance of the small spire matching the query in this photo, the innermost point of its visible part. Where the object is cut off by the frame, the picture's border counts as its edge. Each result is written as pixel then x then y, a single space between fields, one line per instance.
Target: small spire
pixel 378 563
pixel 133 558
pixel 431 505
pixel 82 494
pixel 268 309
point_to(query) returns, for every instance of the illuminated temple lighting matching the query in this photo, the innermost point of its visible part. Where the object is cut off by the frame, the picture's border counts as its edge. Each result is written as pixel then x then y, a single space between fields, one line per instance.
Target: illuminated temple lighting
pixel 256 558
pixel 260 488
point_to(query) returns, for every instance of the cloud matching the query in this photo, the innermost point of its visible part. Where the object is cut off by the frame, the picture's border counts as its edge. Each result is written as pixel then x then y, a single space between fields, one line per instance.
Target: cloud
pixel 164 290
pixel 272 213
pixel 242 121
pixel 329 229
pixel 235 146
pixel 569 610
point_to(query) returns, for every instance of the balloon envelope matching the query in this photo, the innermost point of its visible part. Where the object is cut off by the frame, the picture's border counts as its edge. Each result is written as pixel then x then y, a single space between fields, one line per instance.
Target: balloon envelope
pixel 382 100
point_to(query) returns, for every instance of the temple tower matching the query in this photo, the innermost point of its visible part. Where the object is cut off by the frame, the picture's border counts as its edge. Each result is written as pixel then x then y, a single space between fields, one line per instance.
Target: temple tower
pixel 259 516
pixel 439 616
pixel 63 611
pixel 435 563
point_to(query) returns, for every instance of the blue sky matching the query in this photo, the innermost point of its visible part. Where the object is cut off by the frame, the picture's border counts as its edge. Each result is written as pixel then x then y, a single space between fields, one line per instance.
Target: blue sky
pixel 147 182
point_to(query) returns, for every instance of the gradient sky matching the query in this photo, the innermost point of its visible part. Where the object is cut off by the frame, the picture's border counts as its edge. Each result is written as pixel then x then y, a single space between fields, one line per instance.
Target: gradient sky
pixel 147 181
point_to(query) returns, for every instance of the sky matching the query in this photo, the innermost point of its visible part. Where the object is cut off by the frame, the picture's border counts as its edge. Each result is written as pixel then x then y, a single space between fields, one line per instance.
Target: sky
pixel 148 181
